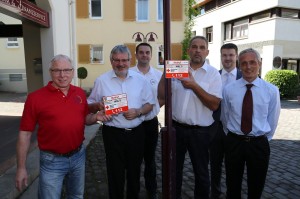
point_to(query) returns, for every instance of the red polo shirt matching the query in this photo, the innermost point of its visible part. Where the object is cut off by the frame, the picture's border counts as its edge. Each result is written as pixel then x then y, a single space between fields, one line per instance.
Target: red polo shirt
pixel 60 118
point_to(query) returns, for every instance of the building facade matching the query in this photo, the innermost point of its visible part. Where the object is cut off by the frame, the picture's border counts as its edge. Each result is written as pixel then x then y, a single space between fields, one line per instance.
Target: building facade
pixel 100 25
pixel 86 31
pixel 272 27
pixel 12 65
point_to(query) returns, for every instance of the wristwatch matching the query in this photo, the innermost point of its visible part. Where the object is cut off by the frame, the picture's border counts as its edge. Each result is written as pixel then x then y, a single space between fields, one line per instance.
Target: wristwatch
pixel 140 114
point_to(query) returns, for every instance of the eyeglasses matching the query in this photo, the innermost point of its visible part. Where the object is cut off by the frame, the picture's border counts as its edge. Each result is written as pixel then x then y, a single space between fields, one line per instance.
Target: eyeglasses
pixel 67 71
pixel 117 61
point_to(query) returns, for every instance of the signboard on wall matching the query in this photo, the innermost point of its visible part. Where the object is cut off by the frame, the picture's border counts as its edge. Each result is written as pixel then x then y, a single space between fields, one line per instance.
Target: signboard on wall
pixel 27 10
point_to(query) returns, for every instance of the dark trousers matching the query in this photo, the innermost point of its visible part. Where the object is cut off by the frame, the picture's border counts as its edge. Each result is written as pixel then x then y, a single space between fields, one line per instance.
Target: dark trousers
pixel 151 137
pixel 124 155
pixel 255 154
pixel 216 155
pixel 196 142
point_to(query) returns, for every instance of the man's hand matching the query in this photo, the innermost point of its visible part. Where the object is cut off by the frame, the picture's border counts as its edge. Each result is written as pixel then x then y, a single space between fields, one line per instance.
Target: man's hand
pixel 189 82
pixel 95 107
pixel 131 114
pixel 21 179
pixel 102 117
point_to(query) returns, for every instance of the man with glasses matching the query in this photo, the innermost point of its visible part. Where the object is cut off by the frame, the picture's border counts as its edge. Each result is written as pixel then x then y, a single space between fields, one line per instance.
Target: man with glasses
pixel 124 135
pixel 60 110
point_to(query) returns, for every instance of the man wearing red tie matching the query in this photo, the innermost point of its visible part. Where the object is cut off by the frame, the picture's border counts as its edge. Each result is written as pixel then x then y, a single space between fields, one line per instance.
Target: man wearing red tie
pixel 250 113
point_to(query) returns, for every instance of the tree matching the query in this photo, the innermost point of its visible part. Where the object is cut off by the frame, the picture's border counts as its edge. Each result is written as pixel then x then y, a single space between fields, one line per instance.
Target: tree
pixel 82 73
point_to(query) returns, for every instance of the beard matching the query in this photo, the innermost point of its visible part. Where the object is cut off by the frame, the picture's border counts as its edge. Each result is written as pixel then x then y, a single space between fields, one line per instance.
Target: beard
pixel 122 73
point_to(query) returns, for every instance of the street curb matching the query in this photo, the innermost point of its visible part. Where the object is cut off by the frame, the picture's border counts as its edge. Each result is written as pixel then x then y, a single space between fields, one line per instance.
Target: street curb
pixel 7 180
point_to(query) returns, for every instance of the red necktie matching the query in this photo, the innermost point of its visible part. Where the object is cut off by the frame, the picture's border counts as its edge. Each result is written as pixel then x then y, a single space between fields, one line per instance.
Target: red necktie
pixel 247 111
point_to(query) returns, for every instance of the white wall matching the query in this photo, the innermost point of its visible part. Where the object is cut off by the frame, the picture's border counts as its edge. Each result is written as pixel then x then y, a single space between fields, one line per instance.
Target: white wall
pixel 271 37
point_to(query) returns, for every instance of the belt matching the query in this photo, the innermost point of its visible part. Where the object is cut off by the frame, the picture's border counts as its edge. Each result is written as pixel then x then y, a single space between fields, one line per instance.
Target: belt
pixel 246 138
pixel 148 121
pixel 189 126
pixel 69 154
pixel 125 130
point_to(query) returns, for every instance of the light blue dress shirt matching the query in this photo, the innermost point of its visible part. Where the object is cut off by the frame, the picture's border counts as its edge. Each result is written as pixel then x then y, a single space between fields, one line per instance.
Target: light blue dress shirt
pixel 136 87
pixel 266 107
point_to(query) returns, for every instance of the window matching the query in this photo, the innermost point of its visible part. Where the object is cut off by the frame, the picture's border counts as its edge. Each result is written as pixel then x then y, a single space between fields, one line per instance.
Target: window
pixel 95 9
pixel 12 42
pixel 209 34
pixel 262 15
pixel 240 29
pixel 96 54
pixel 160 61
pixel 142 10
pixel 15 77
pixel 160 11
pixel 289 13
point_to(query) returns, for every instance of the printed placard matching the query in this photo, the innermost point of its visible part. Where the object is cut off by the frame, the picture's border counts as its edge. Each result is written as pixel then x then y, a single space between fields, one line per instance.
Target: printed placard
pixel 177 68
pixel 115 104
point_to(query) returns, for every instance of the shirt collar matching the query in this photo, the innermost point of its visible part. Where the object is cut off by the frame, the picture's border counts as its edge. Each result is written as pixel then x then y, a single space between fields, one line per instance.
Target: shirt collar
pixel 256 82
pixel 233 72
pixel 203 67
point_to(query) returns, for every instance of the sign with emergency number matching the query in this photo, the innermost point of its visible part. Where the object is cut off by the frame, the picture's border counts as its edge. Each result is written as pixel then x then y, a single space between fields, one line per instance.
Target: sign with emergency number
pixel 177 68
pixel 115 104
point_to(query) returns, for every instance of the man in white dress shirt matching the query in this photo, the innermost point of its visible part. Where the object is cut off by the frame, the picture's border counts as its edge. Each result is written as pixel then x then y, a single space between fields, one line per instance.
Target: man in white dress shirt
pixel 193 101
pixel 247 140
pixel 143 54
pixel 229 73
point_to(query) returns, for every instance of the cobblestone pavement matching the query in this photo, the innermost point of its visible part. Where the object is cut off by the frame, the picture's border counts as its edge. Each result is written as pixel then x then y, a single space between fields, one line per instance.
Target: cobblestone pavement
pixel 283 179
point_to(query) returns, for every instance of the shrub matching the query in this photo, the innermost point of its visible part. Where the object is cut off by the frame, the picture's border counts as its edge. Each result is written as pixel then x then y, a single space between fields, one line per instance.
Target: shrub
pixel 82 73
pixel 286 80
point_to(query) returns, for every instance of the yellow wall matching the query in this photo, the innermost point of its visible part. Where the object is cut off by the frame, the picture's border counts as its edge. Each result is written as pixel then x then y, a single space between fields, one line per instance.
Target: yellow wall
pixel 112 30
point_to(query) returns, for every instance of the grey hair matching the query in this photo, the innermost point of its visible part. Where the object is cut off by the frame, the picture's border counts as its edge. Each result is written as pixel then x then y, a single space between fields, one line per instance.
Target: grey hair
pixel 251 50
pixel 120 49
pixel 198 37
pixel 60 57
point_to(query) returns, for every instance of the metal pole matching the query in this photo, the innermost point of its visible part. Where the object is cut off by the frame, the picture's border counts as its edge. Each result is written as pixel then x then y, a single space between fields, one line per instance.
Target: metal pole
pixel 168 133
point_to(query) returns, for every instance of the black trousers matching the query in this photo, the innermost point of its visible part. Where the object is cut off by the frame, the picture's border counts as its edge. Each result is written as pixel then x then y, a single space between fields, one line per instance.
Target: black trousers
pixel 216 155
pixel 151 137
pixel 195 141
pixel 255 154
pixel 124 155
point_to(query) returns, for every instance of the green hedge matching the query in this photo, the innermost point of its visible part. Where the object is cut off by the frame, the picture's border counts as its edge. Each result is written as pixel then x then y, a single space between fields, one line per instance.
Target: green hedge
pixel 286 80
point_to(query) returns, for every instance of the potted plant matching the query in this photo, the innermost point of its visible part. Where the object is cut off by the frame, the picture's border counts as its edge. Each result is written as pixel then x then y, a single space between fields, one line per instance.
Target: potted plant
pixel 82 74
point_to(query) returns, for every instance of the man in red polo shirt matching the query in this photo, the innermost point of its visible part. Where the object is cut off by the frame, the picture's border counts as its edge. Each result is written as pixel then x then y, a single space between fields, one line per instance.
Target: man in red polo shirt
pixel 60 110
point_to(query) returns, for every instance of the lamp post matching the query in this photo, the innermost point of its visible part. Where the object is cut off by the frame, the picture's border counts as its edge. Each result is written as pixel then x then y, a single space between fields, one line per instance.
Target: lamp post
pixel 140 37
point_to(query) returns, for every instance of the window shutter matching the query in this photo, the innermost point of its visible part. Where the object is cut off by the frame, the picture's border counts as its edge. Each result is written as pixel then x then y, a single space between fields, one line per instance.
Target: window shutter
pixel 176 51
pixel 84 53
pixel 176 10
pixel 129 10
pixel 82 8
pixel 131 47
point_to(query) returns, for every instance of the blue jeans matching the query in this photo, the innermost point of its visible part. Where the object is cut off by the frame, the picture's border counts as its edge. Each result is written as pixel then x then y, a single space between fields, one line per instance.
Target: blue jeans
pixel 53 170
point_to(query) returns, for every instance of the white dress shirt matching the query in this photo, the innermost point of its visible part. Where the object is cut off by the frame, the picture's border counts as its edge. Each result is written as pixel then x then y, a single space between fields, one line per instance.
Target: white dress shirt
pixel 186 106
pixel 153 76
pixel 228 77
pixel 136 87
pixel 266 107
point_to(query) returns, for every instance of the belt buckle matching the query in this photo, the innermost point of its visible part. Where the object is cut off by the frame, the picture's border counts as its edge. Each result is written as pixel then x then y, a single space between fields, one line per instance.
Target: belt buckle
pixel 247 139
pixel 127 129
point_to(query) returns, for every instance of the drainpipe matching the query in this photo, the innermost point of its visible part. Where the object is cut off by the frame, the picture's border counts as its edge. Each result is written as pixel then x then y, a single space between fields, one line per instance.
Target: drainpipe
pixel 72 17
